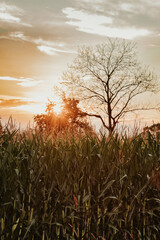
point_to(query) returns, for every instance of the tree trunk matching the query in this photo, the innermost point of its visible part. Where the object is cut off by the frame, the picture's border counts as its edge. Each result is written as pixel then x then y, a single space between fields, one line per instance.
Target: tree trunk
pixel 110 127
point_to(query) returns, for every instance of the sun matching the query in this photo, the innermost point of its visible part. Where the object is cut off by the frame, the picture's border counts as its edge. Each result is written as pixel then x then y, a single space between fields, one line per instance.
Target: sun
pixel 37 103
pixel 57 108
pixel 39 108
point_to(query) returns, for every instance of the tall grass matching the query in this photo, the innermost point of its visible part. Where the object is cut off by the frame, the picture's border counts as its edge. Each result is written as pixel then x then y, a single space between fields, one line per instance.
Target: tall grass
pixel 84 187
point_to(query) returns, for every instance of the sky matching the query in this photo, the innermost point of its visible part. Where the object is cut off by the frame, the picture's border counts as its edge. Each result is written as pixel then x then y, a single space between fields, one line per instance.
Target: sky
pixel 38 39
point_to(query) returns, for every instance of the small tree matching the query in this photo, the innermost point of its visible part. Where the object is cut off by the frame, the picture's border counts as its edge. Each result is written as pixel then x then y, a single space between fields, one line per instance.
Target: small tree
pixel 110 77
pixel 71 117
pixel 1 128
pixel 50 121
pixel 74 115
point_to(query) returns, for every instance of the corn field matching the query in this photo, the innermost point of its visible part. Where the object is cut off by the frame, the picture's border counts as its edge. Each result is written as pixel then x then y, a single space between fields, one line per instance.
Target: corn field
pixel 79 187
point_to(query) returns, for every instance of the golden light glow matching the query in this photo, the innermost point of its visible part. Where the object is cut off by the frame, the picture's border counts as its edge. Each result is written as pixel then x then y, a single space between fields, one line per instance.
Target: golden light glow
pixel 39 105
pixel 33 108
pixel 58 108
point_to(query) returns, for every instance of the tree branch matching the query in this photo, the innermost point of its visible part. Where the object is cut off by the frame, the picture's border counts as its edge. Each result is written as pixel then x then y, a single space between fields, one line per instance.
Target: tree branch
pixel 95 115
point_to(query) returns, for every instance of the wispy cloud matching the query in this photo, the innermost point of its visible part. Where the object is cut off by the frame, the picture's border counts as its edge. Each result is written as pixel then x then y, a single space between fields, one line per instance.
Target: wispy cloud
pixel 152 3
pixel 40 41
pixel 18 35
pixel 24 82
pixel 48 47
pixel 83 18
pixel 48 50
pixel 91 1
pixel 37 41
pixel 100 25
pixel 29 83
pixel 11 14
pixel 13 102
pixel 126 7
pixel 52 51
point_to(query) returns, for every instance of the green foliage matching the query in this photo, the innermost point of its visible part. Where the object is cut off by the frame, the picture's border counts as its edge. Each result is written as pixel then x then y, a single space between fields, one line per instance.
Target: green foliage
pixel 86 187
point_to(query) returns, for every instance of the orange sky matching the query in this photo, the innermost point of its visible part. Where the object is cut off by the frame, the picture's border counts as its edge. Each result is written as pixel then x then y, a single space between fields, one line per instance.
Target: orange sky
pixel 39 38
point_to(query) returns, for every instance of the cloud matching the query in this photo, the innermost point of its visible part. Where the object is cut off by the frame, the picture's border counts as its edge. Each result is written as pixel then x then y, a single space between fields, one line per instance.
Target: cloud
pixel 152 3
pixel 18 35
pixel 24 82
pixel 126 7
pixel 139 18
pixel 52 51
pixel 48 50
pixel 29 83
pixel 6 17
pixel 37 41
pixel 13 102
pixel 11 14
pixel 100 25
pixel 91 1
pixel 48 43
pixel 48 47
pixel 84 18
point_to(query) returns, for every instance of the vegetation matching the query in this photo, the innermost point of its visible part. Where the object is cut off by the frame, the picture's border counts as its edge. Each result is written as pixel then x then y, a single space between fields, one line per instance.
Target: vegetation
pixel 62 181
pixel 81 187
pixel 70 118
pixel 109 77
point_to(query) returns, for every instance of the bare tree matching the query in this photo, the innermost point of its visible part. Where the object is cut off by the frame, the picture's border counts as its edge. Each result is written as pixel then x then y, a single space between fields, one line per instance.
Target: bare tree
pixel 110 77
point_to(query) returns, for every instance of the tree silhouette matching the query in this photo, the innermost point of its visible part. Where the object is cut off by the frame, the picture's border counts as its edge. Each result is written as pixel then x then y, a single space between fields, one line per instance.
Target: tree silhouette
pixel 1 128
pixel 110 77
pixel 71 117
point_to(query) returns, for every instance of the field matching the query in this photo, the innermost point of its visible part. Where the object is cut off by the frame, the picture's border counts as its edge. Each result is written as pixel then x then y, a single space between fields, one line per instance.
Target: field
pixel 79 187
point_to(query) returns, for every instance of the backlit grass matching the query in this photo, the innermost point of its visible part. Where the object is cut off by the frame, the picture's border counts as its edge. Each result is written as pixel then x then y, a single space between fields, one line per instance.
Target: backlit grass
pixel 86 187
